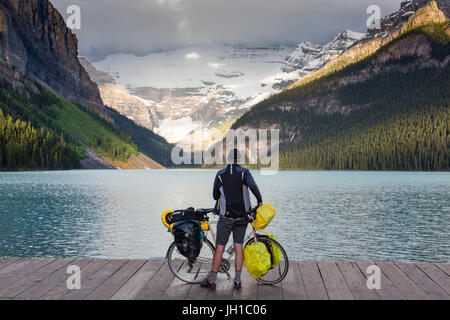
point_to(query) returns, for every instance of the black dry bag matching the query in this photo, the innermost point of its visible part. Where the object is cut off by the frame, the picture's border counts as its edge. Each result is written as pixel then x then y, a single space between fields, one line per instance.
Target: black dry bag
pixel 188 238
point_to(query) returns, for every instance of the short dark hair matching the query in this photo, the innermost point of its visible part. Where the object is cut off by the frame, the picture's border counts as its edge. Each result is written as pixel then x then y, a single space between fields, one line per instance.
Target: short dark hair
pixel 234 156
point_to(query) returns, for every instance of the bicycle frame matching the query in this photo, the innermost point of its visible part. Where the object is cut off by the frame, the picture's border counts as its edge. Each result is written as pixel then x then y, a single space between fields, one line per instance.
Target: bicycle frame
pixel 230 251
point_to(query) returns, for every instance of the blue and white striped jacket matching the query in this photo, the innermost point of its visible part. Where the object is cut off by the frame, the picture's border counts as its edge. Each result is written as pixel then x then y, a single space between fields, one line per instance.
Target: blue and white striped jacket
pixel 231 190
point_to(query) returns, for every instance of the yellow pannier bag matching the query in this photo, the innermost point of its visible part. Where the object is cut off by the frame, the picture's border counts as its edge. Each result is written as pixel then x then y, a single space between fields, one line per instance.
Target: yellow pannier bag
pixel 276 253
pixel 257 259
pixel 264 216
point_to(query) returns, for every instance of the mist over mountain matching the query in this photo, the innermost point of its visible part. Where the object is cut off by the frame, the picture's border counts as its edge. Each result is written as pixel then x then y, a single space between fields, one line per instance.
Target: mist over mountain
pixel 152 26
pixel 207 86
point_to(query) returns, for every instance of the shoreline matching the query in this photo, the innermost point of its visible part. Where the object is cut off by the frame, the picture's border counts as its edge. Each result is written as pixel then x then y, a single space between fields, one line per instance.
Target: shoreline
pixel 219 168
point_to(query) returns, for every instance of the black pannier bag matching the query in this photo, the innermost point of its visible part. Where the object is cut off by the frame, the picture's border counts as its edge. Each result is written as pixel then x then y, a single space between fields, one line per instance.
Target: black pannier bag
pixel 188 238
pixel 188 214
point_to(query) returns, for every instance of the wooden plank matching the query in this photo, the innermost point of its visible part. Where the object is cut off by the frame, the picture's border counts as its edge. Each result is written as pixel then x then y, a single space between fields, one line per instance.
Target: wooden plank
pixel 134 285
pixel 269 292
pixel 95 280
pixel 196 292
pixel 249 290
pixel 423 281
pixel 60 290
pixel 356 281
pixel 157 286
pixel 225 287
pixel 444 267
pixel 42 287
pixel 437 275
pixel 196 271
pixel 408 288
pixel 26 282
pixel 143 279
pixel 14 266
pixel 315 288
pixel 388 290
pixel 29 268
pixel 178 290
pixel 335 284
pixel 111 285
pixel 293 286
pixel 6 261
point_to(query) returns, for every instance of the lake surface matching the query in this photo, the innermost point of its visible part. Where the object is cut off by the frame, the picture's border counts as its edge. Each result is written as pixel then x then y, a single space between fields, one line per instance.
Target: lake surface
pixel 398 216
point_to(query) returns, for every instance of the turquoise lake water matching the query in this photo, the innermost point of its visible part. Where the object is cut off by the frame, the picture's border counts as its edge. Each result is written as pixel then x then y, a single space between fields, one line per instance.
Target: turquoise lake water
pixel 400 216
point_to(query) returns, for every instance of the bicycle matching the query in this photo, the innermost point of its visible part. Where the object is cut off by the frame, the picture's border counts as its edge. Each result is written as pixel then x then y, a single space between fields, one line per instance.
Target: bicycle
pixel 196 270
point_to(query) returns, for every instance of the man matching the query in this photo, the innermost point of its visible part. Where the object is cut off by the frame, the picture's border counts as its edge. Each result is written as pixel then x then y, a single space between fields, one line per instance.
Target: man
pixel 231 191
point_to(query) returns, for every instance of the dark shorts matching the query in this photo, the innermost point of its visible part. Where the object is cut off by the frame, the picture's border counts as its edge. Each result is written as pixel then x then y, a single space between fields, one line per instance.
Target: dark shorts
pixel 226 226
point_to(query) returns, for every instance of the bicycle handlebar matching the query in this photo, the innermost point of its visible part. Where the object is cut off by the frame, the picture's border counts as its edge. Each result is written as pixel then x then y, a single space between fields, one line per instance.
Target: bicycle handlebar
pixel 207 211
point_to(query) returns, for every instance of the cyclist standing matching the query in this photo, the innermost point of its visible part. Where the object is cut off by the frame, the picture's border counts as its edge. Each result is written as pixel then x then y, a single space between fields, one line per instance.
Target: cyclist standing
pixel 231 191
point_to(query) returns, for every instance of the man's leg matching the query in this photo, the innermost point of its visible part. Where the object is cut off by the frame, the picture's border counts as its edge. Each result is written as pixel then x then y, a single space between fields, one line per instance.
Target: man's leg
pixel 217 261
pixel 239 231
pixel 239 262
pixel 218 256
pixel 223 233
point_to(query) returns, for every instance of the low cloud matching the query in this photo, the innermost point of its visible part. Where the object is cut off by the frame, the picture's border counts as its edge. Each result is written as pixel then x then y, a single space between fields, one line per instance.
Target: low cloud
pixel 143 26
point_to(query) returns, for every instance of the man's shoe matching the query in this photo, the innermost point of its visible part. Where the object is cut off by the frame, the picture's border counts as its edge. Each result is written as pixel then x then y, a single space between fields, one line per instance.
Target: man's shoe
pixel 207 284
pixel 237 285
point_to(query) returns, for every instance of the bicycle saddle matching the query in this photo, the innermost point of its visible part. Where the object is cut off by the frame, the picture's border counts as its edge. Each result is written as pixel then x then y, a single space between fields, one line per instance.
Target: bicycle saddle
pixel 204 211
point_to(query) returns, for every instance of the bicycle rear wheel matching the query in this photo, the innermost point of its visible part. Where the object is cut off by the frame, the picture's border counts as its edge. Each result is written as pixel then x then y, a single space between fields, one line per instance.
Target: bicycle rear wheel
pixel 279 272
pixel 191 270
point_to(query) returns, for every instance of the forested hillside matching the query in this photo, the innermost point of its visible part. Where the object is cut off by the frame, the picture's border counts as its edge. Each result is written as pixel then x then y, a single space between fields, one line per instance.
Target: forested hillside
pixel 24 147
pixel 402 130
pixel 389 111
pixel 42 117
pixel 149 143
pixel 52 110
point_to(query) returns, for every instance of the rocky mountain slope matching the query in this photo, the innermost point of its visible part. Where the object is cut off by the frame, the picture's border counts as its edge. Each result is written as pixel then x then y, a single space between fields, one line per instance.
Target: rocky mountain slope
pixel 383 104
pixel 393 26
pixel 35 41
pixel 115 96
pixel 59 116
pixel 308 57
pixel 196 86
pixel 398 18
pixel 206 86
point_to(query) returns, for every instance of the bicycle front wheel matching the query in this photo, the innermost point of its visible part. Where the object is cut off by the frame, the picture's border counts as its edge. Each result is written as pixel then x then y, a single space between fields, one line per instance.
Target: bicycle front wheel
pixel 279 272
pixel 191 270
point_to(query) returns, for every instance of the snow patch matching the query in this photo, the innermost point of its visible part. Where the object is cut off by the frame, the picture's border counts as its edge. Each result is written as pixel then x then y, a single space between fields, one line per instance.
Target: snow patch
pixel 176 130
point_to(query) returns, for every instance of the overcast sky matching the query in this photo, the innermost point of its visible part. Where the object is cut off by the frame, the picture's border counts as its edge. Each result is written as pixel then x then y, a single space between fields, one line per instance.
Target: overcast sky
pixel 143 26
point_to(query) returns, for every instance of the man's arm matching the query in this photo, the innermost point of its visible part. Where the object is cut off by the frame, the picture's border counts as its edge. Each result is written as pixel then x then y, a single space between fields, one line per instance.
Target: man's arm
pixel 216 188
pixel 250 182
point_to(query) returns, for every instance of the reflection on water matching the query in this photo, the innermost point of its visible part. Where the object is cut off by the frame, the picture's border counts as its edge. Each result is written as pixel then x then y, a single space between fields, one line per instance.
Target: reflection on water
pixel 321 215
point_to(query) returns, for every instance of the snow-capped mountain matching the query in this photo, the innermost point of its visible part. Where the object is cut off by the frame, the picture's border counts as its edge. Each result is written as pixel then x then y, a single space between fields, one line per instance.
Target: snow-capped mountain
pixel 197 86
pixel 308 57
pixel 209 86
pixel 397 19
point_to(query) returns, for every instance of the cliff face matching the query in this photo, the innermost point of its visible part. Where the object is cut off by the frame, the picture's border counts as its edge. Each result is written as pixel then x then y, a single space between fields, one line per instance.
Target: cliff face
pixel 34 40
pixel 364 48
pixel 115 96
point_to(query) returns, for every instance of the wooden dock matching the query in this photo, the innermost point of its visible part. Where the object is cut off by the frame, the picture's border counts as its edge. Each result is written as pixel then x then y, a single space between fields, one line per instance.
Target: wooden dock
pixel 101 279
